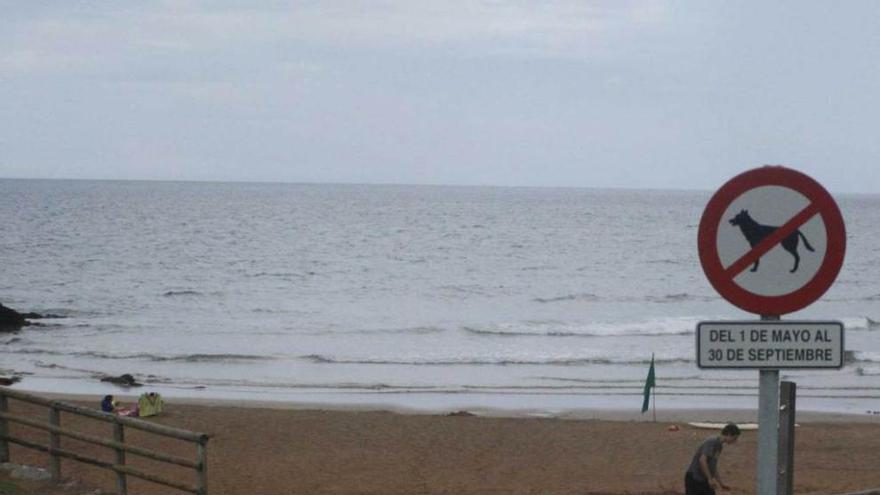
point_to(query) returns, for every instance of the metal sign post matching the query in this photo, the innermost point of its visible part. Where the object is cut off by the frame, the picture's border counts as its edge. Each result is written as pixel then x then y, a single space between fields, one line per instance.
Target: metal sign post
pixel 787 406
pixel 768 424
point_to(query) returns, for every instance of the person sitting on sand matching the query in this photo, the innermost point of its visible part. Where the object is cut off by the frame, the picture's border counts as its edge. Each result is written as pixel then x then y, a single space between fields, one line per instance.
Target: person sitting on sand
pixel 702 475
pixel 110 405
pixel 107 404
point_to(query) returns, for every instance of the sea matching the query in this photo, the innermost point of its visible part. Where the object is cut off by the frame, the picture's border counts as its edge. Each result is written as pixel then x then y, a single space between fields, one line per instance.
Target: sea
pixel 422 297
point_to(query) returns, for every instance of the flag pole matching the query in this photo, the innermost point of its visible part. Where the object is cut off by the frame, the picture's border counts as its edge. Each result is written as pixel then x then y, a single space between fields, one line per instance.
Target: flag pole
pixel 649 384
pixel 654 399
pixel 654 409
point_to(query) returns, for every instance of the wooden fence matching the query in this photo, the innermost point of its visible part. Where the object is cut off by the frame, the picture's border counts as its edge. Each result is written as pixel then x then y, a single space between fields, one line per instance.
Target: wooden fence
pixel 53 426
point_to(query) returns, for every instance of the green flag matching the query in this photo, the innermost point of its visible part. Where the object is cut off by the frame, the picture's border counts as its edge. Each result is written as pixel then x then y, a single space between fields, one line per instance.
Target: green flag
pixel 649 384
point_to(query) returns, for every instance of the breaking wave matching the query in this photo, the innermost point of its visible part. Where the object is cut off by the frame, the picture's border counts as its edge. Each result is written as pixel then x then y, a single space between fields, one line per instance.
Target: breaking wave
pixel 860 323
pixel 172 293
pixel 191 358
pixel 861 357
pixel 650 328
pixel 655 299
pixel 467 361
pixel 678 297
pixel 660 327
pixel 666 261
pixel 570 297
pixel 868 371
pixel 423 330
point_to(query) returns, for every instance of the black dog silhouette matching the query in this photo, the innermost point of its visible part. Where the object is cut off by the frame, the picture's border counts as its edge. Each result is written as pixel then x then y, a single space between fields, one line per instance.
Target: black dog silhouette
pixel 755 233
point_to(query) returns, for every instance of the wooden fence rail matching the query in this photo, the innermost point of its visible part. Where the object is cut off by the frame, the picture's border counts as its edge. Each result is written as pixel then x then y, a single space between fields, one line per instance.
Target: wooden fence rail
pixel 56 431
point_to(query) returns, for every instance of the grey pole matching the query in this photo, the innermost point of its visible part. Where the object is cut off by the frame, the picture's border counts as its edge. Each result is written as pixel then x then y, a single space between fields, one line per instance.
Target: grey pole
pixel 785 476
pixel 768 426
pixel 4 430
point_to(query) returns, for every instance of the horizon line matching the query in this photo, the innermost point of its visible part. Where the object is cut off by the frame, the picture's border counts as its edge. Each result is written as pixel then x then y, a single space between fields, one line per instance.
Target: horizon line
pixel 330 183
pixel 396 184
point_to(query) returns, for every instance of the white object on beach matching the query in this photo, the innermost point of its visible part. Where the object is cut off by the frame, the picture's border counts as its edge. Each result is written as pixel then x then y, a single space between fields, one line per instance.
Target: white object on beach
pixel 719 426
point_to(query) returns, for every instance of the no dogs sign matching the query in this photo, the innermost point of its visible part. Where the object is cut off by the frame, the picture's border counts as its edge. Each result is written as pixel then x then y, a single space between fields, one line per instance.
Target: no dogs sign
pixel 771 240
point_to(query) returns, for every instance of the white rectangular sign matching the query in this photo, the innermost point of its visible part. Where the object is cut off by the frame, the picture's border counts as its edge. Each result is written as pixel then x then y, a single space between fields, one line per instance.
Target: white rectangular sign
pixel 770 344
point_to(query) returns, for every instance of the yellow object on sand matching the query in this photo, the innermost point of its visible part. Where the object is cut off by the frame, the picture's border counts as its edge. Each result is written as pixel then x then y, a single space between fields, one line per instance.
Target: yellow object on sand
pixel 150 404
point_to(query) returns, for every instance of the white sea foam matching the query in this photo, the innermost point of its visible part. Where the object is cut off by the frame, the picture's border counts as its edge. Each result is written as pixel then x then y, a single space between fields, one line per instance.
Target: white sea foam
pixel 646 328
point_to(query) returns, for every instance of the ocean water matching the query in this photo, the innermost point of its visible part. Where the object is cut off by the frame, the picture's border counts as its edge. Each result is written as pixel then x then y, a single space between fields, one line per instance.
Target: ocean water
pixel 414 296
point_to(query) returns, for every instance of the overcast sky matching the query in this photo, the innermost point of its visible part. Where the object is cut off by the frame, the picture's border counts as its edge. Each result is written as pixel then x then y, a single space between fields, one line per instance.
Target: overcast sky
pixel 561 93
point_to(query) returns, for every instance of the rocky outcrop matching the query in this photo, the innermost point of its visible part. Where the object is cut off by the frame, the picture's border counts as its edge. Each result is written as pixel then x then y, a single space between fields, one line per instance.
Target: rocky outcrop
pixel 11 320
pixel 124 380
pixel 461 414
pixel 9 380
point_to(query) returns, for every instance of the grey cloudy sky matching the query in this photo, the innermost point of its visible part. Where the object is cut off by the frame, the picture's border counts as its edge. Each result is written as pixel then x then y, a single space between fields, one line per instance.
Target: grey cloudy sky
pixel 555 93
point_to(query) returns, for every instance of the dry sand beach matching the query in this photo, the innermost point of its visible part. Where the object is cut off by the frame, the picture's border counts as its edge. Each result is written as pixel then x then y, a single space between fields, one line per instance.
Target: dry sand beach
pixel 272 448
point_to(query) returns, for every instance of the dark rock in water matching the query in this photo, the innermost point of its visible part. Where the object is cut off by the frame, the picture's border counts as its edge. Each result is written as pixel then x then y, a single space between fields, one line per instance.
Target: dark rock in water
pixel 125 380
pixel 461 414
pixel 7 381
pixel 11 320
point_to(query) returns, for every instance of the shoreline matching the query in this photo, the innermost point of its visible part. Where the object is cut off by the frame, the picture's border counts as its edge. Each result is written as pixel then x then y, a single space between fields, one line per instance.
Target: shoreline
pixel 676 415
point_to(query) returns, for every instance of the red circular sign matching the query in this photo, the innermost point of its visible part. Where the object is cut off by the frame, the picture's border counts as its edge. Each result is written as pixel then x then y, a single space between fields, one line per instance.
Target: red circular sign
pixel 723 277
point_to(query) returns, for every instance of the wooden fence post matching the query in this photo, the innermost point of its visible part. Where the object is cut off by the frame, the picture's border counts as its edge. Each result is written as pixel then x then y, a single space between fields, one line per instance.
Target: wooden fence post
pixel 4 430
pixel 54 444
pixel 202 481
pixel 121 481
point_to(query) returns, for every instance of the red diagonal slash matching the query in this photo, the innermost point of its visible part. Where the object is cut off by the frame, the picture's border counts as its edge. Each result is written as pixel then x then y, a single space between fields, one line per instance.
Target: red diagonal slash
pixel 771 241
